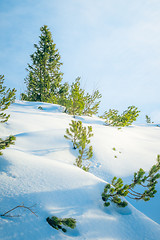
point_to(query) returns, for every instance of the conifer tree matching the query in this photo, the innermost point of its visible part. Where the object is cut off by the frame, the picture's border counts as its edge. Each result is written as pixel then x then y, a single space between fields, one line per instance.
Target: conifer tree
pixel 91 104
pixel 85 152
pixel 76 99
pixel 73 133
pixel 62 96
pixel 4 143
pixel 44 76
pixel 6 98
pixel 80 136
pixel 114 191
pixel 80 103
pixel 125 119
pixel 148 119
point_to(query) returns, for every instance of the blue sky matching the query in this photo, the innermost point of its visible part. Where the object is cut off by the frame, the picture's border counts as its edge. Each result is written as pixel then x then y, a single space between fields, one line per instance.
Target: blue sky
pixel 114 46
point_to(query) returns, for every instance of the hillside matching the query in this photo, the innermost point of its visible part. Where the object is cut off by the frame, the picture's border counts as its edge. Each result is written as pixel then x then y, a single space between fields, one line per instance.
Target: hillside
pixel 38 170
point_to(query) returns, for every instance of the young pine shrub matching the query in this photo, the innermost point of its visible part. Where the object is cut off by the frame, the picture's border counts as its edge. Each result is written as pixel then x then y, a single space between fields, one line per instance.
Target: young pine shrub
pixel 75 103
pixel 80 137
pixel 4 143
pixel 125 119
pixel 59 223
pixel 114 191
pixel 148 119
pixel 40 108
pixel 81 103
pixel 85 152
pixel 6 98
pixel 73 133
pixel 92 102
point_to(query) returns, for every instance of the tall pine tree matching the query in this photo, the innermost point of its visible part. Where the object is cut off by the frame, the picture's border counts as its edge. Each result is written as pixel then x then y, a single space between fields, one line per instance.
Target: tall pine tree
pixel 44 76
pixel 6 98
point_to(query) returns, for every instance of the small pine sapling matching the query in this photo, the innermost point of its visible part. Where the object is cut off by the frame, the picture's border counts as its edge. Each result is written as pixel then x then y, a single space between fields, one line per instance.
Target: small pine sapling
pixel 80 103
pixel 84 152
pixel 59 223
pixel 125 119
pixel 91 104
pixel 40 108
pixel 130 115
pixel 6 142
pixel 148 119
pixel 73 133
pixel 114 191
pixel 111 117
pixel 75 104
pixel 6 98
pixel 80 137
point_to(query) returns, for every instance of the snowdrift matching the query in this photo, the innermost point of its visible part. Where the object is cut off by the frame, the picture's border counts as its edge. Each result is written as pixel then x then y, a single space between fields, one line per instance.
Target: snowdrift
pixel 38 170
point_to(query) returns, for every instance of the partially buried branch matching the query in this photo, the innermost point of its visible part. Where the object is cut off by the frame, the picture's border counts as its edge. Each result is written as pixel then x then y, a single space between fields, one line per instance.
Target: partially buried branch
pixel 114 191
pixel 19 206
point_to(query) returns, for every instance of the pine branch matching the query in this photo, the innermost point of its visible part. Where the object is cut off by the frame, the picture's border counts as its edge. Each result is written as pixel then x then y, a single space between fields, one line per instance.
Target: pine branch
pixel 114 192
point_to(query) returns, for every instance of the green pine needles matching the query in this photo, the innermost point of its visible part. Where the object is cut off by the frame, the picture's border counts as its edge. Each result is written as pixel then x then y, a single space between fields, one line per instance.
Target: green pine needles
pixel 44 76
pixel 76 99
pixel 80 137
pixel 148 119
pixel 60 223
pixel 73 133
pixel 80 103
pixel 4 143
pixel 85 151
pixel 125 119
pixel 114 191
pixel 6 98
pixel 44 79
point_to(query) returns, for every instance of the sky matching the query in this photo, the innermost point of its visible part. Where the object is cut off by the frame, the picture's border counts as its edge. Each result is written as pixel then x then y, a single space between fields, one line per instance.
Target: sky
pixel 114 46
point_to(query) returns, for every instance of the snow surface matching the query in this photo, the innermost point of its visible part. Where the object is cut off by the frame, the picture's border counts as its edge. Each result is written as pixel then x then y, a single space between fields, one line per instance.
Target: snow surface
pixel 39 170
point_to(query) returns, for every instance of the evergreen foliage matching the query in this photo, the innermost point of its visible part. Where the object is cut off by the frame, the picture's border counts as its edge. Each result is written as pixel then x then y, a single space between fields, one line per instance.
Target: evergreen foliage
pixel 6 142
pixel 40 108
pixel 7 97
pixel 148 119
pixel 59 223
pixel 91 104
pixel 44 76
pixel 85 152
pixel 80 103
pixel 73 133
pixel 114 191
pixel 125 119
pixel 62 96
pixel 80 137
pixel 76 104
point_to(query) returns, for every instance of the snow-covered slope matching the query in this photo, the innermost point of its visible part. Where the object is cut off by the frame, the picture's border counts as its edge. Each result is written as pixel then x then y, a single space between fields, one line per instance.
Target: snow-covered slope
pixel 39 170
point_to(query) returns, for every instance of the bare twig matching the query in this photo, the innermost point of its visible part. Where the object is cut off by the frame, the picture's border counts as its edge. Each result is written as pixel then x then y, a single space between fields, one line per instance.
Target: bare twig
pixel 19 206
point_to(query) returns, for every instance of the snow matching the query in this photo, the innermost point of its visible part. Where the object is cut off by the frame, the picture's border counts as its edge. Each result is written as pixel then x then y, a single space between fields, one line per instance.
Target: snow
pixel 39 170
